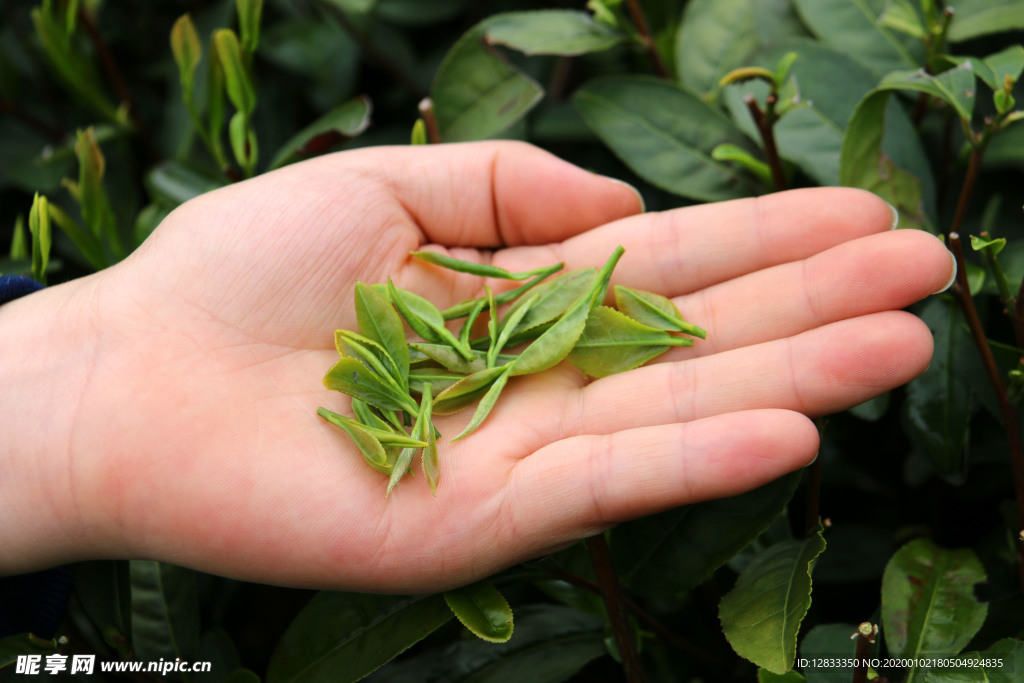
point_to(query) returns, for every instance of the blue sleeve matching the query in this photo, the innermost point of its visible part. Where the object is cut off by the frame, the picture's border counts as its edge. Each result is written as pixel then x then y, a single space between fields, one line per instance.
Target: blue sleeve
pixel 31 603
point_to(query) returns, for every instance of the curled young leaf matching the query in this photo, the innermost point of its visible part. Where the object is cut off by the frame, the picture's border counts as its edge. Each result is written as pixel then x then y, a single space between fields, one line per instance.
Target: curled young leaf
pixel 460 266
pixel 367 443
pixel 425 320
pixel 654 310
pixel 487 402
pixel 350 376
pixel 378 321
pixel 465 391
pixel 463 308
pixel 449 358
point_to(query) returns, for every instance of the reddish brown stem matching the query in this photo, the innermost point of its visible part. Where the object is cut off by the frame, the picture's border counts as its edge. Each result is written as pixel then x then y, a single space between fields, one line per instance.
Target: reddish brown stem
pixel 32 121
pixel 616 607
pixel 963 295
pixel 640 22
pixel 765 121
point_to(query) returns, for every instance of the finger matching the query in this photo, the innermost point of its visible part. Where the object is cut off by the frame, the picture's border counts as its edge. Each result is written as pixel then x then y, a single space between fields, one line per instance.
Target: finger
pixel 577 486
pixel 680 251
pixel 876 273
pixel 494 194
pixel 821 371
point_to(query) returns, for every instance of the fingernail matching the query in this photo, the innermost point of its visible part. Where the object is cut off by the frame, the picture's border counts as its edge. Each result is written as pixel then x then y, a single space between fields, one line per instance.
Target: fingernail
pixel 952 276
pixel 895 222
pixel 623 183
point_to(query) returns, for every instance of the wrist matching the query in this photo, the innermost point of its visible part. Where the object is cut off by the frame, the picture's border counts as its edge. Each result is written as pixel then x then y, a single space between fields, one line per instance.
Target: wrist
pixel 47 349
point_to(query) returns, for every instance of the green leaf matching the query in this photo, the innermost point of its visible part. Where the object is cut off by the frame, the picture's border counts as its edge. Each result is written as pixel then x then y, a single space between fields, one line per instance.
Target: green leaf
pixel 355 379
pixel 430 461
pixel 728 152
pixel 215 109
pixel 239 84
pixel 243 142
pixel 464 307
pixel 1001 663
pixel 419 133
pixel 24 644
pixel 995 246
pixel 103 588
pixel 714 37
pixel 487 402
pixel 665 134
pixel 378 321
pixel 425 320
pixel 373 356
pixel 476 93
pixel 95 205
pixel 613 342
pixel 76 72
pixel 981 17
pixel 449 358
pixel 955 87
pixel 865 164
pixel 995 68
pixel 764 676
pixel 39 227
pixel 938 405
pixel 165 611
pixel 508 326
pixel 928 604
pixel 553 299
pixel 365 441
pixel 552 32
pixel 19 243
pixel 342 123
pixel 556 342
pixel 467 390
pixel 86 243
pixel 653 310
pixel 902 16
pixel 827 642
pixel 341 637
pixel 249 14
pixel 176 182
pixel 354 6
pixel 810 130
pixel 400 468
pixel 667 554
pixel 460 266
pixel 483 610
pixel 761 615
pixel 187 51
pixel 853 27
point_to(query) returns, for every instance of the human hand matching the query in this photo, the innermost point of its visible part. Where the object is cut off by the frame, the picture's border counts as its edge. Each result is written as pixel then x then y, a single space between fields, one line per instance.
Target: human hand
pixel 180 387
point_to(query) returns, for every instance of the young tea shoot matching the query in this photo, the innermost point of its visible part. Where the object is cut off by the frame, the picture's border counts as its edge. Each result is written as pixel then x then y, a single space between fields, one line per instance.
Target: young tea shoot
pixel 398 384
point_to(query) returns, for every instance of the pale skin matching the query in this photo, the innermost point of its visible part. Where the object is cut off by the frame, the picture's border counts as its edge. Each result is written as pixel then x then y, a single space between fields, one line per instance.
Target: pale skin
pixel 166 407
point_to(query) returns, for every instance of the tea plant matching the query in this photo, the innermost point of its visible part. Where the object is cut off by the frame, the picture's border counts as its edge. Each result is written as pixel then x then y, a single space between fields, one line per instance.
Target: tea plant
pixel 906 530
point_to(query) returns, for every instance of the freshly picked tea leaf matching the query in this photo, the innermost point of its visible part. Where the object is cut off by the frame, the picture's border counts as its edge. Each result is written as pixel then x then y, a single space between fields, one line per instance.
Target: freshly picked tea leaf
pixel 550 321
pixel 653 310
pixel 612 342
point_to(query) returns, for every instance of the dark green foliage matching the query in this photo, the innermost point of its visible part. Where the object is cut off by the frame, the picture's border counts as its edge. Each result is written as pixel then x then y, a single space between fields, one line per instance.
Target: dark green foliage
pixel 895 96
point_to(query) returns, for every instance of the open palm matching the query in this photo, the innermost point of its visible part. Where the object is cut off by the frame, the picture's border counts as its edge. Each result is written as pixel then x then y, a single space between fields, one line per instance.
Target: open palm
pixel 195 439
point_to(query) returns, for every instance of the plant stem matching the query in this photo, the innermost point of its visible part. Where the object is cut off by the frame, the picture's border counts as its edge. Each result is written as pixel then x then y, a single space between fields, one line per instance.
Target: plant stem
pixel 114 74
pixel 963 295
pixel 32 121
pixel 962 292
pixel 865 636
pixel 426 107
pixel 765 120
pixel 640 22
pixel 642 615
pixel 814 485
pixel 616 607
